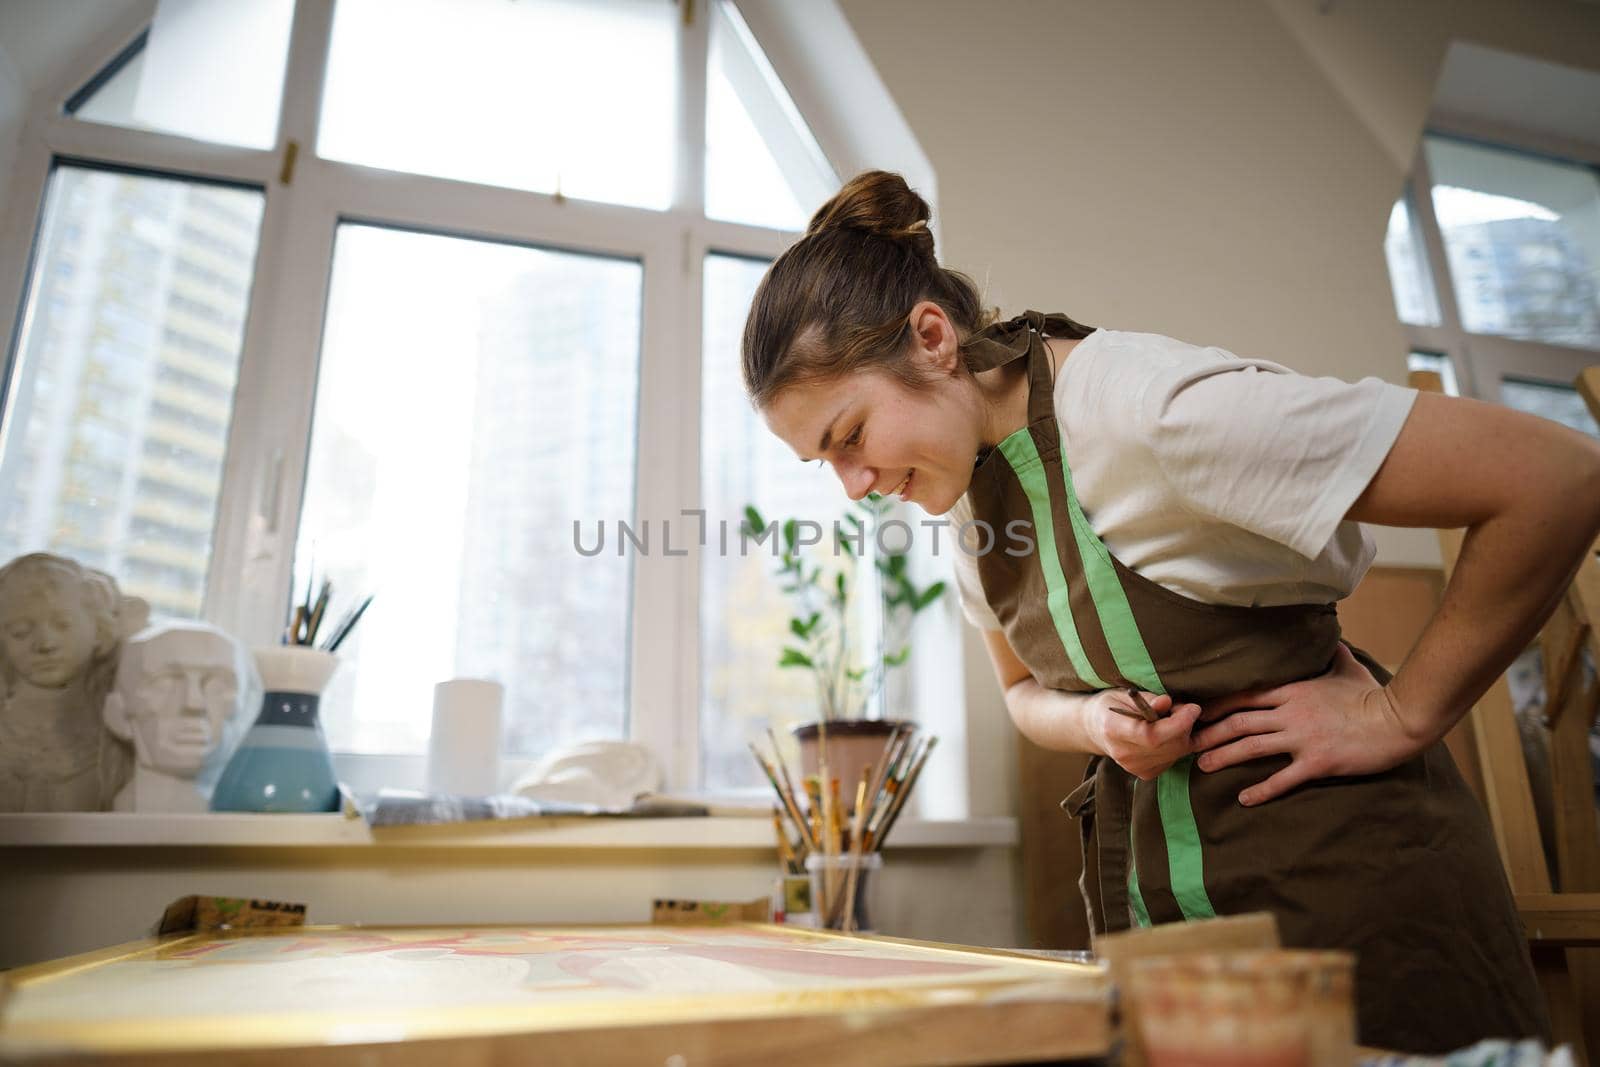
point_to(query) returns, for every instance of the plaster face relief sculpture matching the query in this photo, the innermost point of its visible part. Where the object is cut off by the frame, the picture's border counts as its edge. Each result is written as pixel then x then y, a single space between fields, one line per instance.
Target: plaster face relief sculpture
pixel 60 625
pixel 177 688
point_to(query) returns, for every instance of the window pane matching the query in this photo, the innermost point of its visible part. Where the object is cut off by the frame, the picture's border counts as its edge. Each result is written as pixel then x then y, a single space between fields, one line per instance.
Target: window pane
pixel 571 95
pixel 1415 300
pixel 1438 364
pixel 1522 236
pixel 1550 400
pixel 205 70
pixel 473 400
pixel 117 410
pixel 763 166
pixel 744 616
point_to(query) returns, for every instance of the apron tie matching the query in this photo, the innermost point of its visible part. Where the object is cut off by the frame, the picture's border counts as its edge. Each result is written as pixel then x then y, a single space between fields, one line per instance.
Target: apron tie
pixel 1003 342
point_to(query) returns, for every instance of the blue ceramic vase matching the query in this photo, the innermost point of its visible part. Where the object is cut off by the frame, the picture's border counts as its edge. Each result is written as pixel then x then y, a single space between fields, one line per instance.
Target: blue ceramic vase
pixel 283 763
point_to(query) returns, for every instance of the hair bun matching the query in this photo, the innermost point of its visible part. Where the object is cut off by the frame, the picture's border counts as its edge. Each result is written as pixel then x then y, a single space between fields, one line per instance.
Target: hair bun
pixel 880 203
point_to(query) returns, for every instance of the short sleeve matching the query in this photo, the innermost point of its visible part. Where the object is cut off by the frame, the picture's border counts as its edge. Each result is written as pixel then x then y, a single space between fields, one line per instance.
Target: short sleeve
pixel 1277 453
pixel 969 587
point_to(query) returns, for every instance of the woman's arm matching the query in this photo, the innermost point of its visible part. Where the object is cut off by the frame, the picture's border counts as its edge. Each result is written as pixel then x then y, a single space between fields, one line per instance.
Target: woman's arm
pixel 1528 492
pixel 1086 722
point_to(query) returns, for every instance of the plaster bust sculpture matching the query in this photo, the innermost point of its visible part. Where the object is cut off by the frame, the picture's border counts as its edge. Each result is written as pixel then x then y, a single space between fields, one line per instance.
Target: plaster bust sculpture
pixel 60 627
pixel 178 688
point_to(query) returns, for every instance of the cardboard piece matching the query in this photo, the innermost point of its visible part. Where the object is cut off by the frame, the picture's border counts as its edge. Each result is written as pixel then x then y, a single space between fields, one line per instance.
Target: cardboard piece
pixel 1234 933
pixel 702 912
pixel 186 915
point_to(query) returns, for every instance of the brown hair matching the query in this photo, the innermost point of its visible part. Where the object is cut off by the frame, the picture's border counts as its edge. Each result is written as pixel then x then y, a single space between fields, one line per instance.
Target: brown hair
pixel 839 299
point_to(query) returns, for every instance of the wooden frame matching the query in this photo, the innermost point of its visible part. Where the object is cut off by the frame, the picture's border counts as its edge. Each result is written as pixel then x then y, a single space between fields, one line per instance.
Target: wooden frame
pixel 1005 1008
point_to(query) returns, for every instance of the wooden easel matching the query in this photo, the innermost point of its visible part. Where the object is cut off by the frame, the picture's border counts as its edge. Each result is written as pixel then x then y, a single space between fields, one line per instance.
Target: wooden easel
pixel 1560 909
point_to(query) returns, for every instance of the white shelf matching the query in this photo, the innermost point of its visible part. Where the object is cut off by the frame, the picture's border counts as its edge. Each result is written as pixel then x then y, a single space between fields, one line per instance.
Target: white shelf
pixel 125 829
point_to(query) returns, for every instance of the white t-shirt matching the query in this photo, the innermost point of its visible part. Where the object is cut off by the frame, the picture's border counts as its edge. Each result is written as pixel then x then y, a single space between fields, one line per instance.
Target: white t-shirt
pixel 1221 478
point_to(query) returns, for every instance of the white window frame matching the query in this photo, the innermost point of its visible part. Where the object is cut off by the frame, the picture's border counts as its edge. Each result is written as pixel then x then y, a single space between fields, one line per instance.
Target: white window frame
pixel 263 480
pixel 1482 361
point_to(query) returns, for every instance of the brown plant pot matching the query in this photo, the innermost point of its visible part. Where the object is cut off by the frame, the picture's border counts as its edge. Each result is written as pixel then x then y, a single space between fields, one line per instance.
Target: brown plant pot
pixel 853 746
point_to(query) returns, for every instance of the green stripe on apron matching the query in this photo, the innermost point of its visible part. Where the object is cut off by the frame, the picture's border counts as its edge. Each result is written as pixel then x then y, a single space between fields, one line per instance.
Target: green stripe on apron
pixel 1184 862
pixel 1110 602
pixel 1024 458
pixel 1141 914
pixel 1186 867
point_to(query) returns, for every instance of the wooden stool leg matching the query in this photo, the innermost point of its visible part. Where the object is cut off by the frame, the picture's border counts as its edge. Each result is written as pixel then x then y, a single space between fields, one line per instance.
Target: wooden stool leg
pixel 1555 980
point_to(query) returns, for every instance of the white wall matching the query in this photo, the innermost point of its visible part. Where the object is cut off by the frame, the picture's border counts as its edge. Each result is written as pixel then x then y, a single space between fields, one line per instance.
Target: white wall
pixel 1220 170
pixel 13 99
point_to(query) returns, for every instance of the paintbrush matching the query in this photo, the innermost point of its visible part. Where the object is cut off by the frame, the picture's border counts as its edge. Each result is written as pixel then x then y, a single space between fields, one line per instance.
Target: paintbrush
pixel 900 801
pixel 1145 712
pixel 311 583
pixel 883 766
pixel 789 805
pixel 788 783
pixel 348 624
pixel 830 839
pixel 785 850
pixel 893 782
pixel 317 611
pixel 814 807
pixel 857 828
pixel 896 754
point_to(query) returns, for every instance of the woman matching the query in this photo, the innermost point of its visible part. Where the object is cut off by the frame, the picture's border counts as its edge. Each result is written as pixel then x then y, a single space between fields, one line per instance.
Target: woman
pixel 1188 520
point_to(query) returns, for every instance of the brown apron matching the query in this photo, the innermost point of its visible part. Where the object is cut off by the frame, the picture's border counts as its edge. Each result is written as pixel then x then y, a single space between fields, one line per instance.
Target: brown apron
pixel 1399 867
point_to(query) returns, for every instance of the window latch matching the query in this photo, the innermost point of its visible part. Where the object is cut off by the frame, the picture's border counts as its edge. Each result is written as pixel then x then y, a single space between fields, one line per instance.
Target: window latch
pixel 291 153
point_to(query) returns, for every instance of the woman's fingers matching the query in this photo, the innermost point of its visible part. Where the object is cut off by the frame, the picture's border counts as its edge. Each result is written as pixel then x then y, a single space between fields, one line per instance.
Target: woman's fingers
pixel 1240 724
pixel 1297 774
pixel 1136 731
pixel 1249 698
pixel 1177 725
pixel 1145 749
pixel 1244 750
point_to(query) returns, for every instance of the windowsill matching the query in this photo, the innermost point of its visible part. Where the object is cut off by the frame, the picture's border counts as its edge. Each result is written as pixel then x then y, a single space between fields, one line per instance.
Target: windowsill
pixel 124 829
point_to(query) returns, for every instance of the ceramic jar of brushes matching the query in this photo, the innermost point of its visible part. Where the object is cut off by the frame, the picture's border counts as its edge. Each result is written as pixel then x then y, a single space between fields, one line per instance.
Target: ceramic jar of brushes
pixel 283 763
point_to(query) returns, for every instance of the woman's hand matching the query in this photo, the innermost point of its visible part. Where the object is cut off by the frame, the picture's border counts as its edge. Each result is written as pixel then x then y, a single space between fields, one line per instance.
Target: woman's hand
pixel 1339 723
pixel 1143 749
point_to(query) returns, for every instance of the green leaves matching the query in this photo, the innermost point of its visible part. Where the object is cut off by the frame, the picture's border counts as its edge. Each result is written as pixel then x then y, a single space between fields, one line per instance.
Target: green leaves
pixel 793 657
pixel 926 597
pixel 821 626
pixel 803 628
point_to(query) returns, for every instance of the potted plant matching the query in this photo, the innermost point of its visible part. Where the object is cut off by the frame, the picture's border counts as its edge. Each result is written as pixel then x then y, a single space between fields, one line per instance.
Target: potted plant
pixel 850 668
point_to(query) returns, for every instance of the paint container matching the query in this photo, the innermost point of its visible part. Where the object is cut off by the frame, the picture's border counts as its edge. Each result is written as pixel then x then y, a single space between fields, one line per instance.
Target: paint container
pixel 1281 1008
pixel 838 880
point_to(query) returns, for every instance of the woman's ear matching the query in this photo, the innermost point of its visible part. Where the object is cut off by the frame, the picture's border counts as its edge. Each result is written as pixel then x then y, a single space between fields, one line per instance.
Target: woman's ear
pixel 933 338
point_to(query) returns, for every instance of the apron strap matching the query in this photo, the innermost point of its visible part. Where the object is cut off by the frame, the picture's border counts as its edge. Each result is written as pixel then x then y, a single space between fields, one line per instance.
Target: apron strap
pixel 1005 342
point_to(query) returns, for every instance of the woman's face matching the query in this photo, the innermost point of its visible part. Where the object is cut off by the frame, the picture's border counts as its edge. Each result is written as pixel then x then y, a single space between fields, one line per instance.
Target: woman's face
pixel 48 633
pixel 883 436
